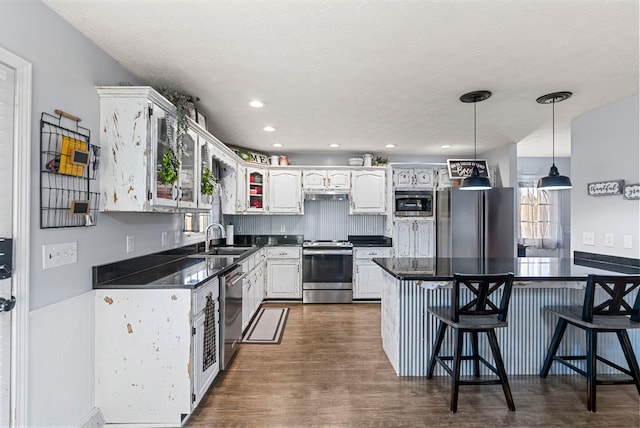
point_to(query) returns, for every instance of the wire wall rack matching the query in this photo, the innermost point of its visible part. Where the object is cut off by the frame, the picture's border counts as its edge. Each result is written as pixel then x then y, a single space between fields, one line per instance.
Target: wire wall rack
pixel 69 165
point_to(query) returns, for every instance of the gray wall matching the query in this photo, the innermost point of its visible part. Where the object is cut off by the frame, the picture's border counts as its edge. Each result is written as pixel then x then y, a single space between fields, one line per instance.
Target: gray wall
pixel 66 68
pixel 605 145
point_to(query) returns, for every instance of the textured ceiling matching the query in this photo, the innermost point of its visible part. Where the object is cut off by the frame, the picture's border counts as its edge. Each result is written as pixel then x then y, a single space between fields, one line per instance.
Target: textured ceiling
pixel 367 73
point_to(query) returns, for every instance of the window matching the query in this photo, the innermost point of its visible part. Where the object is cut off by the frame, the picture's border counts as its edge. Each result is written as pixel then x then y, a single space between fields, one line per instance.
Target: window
pixel 539 217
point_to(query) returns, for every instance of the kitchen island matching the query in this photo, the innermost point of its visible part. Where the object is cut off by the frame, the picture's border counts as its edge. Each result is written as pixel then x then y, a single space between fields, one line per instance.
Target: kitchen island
pixel 410 285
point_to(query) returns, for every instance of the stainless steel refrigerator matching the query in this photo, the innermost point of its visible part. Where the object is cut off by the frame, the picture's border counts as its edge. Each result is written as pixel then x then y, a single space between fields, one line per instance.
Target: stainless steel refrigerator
pixel 475 223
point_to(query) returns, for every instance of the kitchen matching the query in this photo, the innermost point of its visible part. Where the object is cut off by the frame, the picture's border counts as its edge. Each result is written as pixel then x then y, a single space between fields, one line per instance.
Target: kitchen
pixel 58 300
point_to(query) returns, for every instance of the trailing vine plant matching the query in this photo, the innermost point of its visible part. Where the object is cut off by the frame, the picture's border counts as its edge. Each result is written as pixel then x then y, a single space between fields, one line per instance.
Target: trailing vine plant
pixel 172 159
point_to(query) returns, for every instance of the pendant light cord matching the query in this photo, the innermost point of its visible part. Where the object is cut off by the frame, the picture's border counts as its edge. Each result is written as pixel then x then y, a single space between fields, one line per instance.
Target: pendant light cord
pixel 553 131
pixel 475 154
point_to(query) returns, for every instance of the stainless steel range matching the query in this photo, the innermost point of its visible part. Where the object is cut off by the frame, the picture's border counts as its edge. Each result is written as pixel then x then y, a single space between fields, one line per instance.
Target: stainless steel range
pixel 327 272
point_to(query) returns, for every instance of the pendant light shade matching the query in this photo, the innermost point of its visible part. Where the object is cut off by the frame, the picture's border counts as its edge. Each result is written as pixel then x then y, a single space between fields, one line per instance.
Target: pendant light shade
pixel 554 181
pixel 475 181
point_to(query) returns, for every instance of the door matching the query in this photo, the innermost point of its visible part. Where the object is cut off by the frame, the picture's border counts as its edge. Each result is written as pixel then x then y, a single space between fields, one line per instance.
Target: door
pixel 15 152
pixel 7 89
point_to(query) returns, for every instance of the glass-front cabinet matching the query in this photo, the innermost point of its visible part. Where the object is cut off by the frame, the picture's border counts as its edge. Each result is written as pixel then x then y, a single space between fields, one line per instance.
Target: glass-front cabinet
pixel 189 173
pixel 256 186
pixel 161 130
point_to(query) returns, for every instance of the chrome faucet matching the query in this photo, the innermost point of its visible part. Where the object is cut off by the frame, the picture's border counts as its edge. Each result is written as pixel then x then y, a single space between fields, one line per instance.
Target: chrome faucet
pixel 206 234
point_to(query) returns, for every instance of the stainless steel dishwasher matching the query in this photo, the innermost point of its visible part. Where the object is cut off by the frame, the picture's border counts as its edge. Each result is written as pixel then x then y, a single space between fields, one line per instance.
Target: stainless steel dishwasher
pixel 231 313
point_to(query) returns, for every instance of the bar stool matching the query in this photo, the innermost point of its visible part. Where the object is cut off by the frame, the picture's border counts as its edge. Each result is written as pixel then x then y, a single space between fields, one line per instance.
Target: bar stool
pixel 613 314
pixel 473 312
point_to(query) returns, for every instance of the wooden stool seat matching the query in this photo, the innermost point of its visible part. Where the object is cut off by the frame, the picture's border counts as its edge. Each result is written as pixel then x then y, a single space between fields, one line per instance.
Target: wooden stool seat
pixel 474 313
pixel 613 314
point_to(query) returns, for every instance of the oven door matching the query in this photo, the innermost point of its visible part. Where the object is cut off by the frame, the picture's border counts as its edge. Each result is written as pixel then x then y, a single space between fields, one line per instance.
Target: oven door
pixel 327 266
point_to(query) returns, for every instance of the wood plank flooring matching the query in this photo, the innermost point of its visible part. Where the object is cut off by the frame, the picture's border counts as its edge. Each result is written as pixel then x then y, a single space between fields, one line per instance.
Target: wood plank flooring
pixel 330 370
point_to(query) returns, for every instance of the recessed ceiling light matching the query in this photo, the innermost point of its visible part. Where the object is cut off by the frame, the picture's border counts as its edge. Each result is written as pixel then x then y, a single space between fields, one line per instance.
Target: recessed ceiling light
pixel 334 145
pixel 277 145
pixel 269 128
pixel 256 104
pixel 390 146
pixel 445 146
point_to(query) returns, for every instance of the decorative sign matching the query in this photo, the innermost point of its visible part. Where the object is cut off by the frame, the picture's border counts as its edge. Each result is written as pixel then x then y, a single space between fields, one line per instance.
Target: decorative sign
pixel 632 191
pixel 605 188
pixel 251 156
pixel 462 168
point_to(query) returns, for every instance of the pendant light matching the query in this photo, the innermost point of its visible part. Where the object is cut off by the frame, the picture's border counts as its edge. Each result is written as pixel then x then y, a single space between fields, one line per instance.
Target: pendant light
pixel 475 181
pixel 554 181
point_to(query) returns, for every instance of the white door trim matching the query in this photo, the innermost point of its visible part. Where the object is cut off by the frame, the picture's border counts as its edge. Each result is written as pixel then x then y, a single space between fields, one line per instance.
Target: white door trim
pixel 21 226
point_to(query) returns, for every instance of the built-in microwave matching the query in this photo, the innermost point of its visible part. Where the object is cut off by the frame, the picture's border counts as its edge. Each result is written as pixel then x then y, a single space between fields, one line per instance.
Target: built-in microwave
pixel 413 203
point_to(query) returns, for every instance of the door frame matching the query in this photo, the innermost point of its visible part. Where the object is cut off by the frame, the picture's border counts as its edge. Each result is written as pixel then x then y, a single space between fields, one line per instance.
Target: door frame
pixel 21 224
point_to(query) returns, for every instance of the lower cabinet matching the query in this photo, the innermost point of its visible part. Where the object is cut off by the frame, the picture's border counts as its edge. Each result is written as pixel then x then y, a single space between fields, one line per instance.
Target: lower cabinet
pixel 153 363
pixel 253 286
pixel 414 238
pixel 367 276
pixel 284 276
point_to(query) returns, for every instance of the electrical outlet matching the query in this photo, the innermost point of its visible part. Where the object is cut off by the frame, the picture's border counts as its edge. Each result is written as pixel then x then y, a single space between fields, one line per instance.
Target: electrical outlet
pixel 165 239
pixel 130 244
pixel 628 241
pixel 588 238
pixel 608 239
pixel 283 228
pixel 54 255
pixel 176 237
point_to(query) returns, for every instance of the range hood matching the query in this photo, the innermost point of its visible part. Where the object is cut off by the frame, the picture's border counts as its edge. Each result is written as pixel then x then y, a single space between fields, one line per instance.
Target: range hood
pixel 326 196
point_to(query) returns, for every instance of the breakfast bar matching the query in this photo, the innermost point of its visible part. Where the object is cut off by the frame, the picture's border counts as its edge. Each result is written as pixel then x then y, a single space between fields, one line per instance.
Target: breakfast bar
pixel 410 285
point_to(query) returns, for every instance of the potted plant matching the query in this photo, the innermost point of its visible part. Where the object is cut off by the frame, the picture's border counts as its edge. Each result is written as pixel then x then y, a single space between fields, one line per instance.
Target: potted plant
pixel 208 182
pixel 379 161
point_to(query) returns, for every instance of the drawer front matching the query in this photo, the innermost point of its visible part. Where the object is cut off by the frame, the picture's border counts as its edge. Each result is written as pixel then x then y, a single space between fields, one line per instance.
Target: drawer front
pixel 370 253
pixel 201 293
pixel 284 252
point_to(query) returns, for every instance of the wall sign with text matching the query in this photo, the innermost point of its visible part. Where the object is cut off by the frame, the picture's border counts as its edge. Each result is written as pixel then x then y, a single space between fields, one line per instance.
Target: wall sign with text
pixel 461 168
pixel 605 188
pixel 251 156
pixel 632 191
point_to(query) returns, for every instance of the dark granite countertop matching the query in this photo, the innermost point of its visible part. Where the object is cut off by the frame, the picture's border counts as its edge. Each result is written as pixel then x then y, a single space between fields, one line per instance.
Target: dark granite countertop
pixel 524 268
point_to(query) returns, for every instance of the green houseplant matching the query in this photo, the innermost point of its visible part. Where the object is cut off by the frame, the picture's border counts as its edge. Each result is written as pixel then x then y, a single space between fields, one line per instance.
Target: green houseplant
pixel 172 159
pixel 208 182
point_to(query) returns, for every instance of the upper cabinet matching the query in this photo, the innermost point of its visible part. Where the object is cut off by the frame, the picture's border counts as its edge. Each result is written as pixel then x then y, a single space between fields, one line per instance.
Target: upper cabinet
pixel 318 179
pixel 285 195
pixel 368 195
pixel 412 178
pixel 138 138
pixel 256 189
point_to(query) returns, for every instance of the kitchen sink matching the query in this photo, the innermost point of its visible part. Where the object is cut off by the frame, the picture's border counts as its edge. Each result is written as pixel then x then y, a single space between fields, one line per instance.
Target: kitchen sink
pixel 224 252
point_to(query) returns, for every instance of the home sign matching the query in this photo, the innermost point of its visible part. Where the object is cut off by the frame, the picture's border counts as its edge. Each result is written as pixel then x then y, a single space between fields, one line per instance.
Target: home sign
pixel 605 188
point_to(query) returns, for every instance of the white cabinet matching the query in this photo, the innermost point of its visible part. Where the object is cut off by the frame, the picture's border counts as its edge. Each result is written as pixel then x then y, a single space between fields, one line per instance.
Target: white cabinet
pixel 256 189
pixel 412 178
pixel 368 192
pixel 234 189
pixel 443 178
pixel 285 191
pixel 137 130
pixel 284 277
pixel 253 288
pixel 153 363
pixel 367 276
pixel 326 179
pixel 414 238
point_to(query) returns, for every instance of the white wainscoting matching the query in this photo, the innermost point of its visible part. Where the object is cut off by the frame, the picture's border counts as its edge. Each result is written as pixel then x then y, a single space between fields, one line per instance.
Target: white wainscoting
pixel 61 363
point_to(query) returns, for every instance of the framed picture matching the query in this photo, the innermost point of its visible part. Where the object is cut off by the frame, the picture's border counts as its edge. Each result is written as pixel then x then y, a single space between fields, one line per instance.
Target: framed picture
pixel 461 168
pixel 202 121
pixel 605 188
pixel 631 191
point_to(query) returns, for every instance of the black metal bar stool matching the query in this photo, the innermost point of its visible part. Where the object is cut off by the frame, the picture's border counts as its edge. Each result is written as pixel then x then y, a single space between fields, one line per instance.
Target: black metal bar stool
pixel 473 312
pixel 613 314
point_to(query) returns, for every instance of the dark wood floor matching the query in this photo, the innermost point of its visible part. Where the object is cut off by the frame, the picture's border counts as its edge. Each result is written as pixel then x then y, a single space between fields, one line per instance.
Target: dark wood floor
pixel 330 370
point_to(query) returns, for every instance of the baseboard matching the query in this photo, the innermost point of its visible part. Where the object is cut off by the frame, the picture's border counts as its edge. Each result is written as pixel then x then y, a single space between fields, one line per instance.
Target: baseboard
pixel 93 419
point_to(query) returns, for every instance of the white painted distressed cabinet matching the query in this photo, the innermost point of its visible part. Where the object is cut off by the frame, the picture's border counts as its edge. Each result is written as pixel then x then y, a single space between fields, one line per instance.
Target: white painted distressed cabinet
pixel 285 191
pixel 368 195
pixel 414 238
pixel 318 179
pixel 413 178
pixel 367 276
pixel 284 277
pixel 157 352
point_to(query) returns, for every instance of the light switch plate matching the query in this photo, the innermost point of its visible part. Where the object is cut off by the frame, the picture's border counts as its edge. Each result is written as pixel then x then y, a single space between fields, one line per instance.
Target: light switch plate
pixel 165 239
pixel 176 237
pixel 54 255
